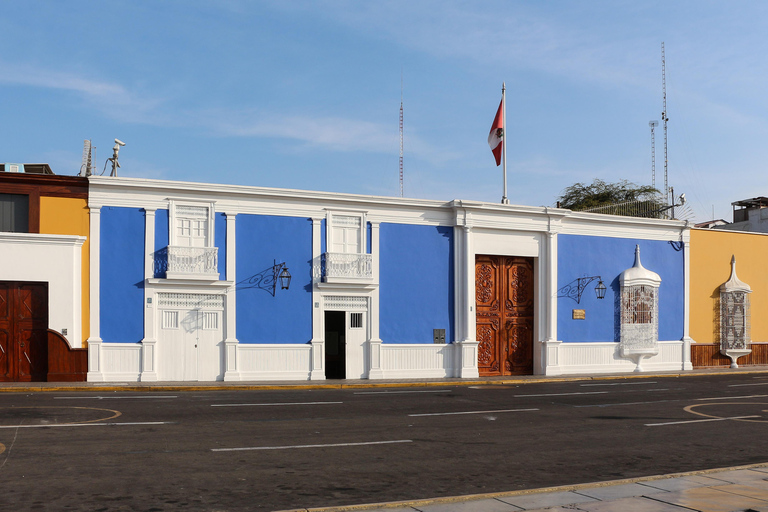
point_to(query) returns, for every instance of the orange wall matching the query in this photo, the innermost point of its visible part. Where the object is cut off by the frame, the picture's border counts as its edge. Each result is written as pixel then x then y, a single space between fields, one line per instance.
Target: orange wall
pixel 711 252
pixel 69 216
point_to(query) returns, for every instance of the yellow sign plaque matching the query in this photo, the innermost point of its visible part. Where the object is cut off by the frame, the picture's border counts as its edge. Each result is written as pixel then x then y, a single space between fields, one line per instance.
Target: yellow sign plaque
pixel 579 314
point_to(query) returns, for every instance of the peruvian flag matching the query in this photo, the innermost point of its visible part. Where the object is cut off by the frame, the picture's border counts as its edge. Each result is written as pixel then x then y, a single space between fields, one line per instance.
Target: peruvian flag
pixel 497 133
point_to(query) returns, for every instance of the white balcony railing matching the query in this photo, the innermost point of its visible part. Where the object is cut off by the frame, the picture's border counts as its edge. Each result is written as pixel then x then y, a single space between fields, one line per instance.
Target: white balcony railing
pixel 339 266
pixel 187 262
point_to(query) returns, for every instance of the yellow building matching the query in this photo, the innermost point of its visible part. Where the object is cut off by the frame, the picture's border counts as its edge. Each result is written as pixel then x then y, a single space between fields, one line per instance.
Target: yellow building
pixel 710 267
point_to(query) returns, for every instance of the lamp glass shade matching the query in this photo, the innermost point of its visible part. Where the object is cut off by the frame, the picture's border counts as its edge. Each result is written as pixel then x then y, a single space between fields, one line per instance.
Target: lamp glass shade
pixel 600 289
pixel 285 279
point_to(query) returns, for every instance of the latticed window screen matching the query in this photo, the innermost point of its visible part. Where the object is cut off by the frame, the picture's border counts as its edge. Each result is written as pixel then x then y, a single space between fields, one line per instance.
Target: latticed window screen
pixel 639 316
pixel 734 320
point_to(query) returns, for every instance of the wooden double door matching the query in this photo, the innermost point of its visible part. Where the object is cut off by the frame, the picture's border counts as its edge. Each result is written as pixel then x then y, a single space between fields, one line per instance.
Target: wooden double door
pixel 504 302
pixel 23 331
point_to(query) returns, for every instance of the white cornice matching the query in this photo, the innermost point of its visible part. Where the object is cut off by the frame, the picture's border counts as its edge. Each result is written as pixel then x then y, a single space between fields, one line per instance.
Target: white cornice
pixel 42 239
pixel 234 199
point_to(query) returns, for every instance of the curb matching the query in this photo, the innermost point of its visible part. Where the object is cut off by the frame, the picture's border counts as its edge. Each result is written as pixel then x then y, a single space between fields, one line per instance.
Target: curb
pixel 523 492
pixel 44 388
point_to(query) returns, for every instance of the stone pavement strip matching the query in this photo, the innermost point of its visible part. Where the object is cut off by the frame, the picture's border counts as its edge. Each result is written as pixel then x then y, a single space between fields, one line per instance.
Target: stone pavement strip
pixel 739 489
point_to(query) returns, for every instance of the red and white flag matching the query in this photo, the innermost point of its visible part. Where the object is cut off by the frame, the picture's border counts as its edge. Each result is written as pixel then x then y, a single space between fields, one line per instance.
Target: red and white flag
pixel 497 133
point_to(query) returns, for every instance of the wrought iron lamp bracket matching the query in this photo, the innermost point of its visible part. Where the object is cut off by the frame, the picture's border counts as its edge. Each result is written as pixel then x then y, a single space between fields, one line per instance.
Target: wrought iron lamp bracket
pixel 575 288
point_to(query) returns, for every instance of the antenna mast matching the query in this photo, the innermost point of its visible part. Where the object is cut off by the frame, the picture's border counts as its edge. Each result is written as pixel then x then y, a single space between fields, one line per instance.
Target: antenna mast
pixel 653 125
pixel 401 133
pixel 664 118
pixel 86 168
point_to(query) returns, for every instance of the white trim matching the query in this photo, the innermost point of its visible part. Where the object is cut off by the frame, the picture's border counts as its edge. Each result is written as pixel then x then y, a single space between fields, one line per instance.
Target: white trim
pixel 604 357
pixel 95 365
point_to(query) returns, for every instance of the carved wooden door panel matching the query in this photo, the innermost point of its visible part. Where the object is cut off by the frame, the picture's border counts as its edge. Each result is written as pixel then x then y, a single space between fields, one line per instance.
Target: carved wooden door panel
pixel 23 331
pixel 7 368
pixel 504 301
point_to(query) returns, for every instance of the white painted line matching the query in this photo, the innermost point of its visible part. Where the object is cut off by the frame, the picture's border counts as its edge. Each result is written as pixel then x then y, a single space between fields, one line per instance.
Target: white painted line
pixel 307 446
pixel 471 412
pixel 403 392
pixel 110 397
pixel 621 384
pixel 275 403
pixel 752 384
pixel 565 394
pixel 699 421
pixel 628 403
pixel 88 424
pixel 732 397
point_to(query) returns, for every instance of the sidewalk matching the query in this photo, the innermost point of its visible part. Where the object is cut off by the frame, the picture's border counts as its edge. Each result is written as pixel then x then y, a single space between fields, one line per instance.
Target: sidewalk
pixel 26 387
pixel 743 488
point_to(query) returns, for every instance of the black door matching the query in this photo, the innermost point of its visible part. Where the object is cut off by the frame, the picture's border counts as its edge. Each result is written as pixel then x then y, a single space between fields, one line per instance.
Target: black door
pixel 335 360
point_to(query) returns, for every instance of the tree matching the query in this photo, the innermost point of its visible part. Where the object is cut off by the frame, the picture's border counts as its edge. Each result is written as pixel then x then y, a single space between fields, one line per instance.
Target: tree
pixel 646 200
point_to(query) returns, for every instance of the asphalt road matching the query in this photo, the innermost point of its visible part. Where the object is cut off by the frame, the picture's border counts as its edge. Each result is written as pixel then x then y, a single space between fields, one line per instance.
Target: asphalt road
pixel 272 450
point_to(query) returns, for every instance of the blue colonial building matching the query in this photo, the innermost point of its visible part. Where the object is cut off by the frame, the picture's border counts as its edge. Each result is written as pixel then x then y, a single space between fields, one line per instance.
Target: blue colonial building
pixel 189 281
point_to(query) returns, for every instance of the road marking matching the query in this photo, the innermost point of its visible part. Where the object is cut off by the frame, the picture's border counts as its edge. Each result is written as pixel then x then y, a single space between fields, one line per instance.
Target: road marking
pixel 565 394
pixel 109 397
pixel 470 412
pixel 628 403
pixel 307 446
pixel 699 421
pixel 403 392
pixel 751 384
pixel 621 384
pixel 732 397
pixel 275 403
pixel 88 424
pixel 2 447
pixel 115 415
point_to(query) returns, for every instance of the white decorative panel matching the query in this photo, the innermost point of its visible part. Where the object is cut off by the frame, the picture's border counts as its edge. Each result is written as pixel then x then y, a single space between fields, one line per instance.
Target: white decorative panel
pixel 585 358
pixel 274 361
pixel 190 300
pixel 345 303
pixel 210 320
pixel 192 211
pixel 413 361
pixel 121 362
pixel 346 221
pixel 170 319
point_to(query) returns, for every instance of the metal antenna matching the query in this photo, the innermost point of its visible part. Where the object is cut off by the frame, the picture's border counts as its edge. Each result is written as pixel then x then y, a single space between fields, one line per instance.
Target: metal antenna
pixel 664 118
pixel 653 125
pixel 401 133
pixel 86 168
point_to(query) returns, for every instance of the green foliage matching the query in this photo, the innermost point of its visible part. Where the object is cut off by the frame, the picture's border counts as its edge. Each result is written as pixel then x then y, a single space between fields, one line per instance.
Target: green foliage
pixel 581 196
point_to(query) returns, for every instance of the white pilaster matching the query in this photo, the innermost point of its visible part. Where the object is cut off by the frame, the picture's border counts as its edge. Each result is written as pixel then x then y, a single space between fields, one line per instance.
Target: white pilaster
pixel 95 367
pixel 687 340
pixel 317 371
pixel 149 343
pixel 550 348
pixel 374 342
pixel 231 361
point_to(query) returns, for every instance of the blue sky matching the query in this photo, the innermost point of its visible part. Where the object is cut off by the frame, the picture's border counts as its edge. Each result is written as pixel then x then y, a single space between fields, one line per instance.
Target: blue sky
pixel 306 95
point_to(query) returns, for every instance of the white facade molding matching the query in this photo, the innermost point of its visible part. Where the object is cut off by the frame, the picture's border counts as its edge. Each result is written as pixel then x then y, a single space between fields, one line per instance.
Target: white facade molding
pixel 603 357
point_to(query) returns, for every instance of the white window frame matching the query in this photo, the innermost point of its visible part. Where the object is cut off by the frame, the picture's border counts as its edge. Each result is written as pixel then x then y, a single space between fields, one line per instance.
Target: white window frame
pixel 362 235
pixel 173 217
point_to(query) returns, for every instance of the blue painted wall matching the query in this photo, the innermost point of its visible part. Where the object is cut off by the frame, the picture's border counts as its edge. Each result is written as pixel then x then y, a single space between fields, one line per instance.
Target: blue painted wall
pixel 581 256
pixel 286 317
pixel 162 237
pixel 220 241
pixel 122 275
pixel 416 282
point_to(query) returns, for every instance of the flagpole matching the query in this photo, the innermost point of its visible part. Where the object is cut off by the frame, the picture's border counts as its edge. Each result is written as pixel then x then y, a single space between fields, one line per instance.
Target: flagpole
pixel 504 199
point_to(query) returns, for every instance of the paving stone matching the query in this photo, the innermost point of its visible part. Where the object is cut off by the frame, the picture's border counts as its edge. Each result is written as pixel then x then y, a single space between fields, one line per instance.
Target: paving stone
pixel 682 483
pixel 760 493
pixel 741 476
pixel 548 499
pixel 614 492
pixel 709 499
pixel 490 505
pixel 636 504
